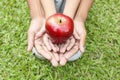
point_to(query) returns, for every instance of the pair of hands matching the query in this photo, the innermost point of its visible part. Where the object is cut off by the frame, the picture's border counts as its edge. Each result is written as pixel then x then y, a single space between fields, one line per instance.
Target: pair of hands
pixel 40 40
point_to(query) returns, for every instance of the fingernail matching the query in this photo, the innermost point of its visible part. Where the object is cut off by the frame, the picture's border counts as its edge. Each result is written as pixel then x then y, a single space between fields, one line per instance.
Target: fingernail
pixel 54 63
pixel 63 62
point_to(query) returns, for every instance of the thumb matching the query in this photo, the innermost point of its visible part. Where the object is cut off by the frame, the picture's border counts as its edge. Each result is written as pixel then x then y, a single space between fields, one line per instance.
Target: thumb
pixel 76 35
pixel 30 40
pixel 82 43
pixel 41 32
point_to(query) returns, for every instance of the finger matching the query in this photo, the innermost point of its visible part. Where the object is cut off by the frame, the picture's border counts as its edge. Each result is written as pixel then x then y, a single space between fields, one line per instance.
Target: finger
pixel 63 60
pixel 61 46
pixel 57 47
pixel 77 31
pixel 40 43
pixel 41 32
pixel 30 40
pixel 71 52
pixel 81 29
pixel 52 46
pixel 82 43
pixel 41 50
pixel 54 60
pixel 72 42
pixel 76 35
pixel 46 42
pixel 56 55
pixel 63 49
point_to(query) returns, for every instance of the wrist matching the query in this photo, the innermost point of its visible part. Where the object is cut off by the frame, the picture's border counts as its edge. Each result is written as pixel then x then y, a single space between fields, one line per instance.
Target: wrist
pixel 48 14
pixel 38 18
pixel 80 19
pixel 68 14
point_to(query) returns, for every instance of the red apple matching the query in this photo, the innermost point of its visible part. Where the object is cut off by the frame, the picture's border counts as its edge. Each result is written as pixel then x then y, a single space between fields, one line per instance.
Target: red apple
pixel 59 27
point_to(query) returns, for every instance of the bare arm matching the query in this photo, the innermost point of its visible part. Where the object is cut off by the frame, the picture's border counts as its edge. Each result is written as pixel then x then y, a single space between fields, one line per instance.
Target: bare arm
pixel 83 9
pixel 71 7
pixel 36 10
pixel 35 25
pixel 49 7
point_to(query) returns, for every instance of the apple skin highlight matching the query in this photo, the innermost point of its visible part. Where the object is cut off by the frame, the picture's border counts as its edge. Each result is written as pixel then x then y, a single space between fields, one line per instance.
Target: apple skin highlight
pixel 59 27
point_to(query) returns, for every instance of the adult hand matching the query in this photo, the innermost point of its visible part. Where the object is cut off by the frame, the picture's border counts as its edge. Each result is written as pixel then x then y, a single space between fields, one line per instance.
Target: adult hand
pixel 80 34
pixel 35 26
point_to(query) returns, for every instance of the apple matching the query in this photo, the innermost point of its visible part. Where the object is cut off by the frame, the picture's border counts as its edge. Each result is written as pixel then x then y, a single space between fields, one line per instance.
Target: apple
pixel 59 27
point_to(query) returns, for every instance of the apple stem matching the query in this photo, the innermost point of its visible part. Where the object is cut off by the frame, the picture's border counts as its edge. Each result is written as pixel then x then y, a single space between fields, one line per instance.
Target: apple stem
pixel 60 20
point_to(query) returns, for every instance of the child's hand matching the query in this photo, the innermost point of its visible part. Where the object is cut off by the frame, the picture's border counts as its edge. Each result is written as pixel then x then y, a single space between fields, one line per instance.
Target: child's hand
pixel 67 45
pixel 46 39
pixel 64 57
pixel 35 26
pixel 80 34
pixel 43 51
pixel 48 43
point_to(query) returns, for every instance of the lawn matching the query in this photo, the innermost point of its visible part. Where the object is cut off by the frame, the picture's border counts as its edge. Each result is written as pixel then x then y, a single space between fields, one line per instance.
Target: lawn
pixel 101 60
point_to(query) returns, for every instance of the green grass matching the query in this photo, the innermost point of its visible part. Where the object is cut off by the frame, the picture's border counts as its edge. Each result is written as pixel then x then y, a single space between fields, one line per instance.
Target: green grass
pixel 101 60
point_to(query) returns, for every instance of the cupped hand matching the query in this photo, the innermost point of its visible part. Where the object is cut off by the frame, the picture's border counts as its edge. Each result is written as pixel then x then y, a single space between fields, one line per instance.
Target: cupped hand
pixel 43 51
pixel 80 34
pixel 64 57
pixel 46 39
pixel 50 46
pixel 67 45
pixel 78 43
pixel 35 26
